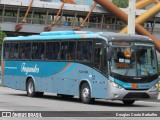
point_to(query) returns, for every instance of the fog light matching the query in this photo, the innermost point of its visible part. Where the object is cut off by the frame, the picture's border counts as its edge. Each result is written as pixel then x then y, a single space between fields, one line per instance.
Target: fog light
pixel 115 95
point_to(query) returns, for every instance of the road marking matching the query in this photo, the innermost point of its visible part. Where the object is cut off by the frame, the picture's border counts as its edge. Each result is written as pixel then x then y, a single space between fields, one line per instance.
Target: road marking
pixel 6 109
pixel 149 102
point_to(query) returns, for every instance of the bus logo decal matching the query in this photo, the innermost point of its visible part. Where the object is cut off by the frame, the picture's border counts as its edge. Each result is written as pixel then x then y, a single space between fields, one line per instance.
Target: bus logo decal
pixel 27 70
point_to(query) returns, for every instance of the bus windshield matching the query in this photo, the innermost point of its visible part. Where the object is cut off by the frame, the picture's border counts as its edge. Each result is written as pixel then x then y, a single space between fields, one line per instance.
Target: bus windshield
pixel 133 59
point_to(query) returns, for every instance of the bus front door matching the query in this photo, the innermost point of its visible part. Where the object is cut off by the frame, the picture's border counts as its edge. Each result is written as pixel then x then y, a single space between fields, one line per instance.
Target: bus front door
pixel 99 79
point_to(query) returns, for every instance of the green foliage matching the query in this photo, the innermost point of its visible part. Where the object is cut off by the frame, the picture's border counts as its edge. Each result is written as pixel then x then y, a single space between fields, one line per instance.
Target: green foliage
pixel 121 3
pixel 2 35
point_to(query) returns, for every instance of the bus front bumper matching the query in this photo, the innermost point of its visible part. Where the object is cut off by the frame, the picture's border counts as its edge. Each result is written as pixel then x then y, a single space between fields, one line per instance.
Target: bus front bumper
pixel 118 93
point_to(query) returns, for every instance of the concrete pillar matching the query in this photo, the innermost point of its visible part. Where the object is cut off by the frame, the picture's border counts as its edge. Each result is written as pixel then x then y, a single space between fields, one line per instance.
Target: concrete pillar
pixel 46 18
pixel 32 16
pixel 88 22
pixel 102 21
pixel 74 22
pixel 18 11
pixel 3 13
pixel 131 16
pixel 115 24
pixel 154 21
pixel 61 17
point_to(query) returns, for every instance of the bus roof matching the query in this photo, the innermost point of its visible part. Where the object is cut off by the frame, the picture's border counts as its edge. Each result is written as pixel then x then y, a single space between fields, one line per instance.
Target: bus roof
pixel 60 35
pixel 55 35
pixel 125 37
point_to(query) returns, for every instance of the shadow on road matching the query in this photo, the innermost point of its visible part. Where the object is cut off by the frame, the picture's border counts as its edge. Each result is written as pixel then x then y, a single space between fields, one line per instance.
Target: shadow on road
pixel 98 102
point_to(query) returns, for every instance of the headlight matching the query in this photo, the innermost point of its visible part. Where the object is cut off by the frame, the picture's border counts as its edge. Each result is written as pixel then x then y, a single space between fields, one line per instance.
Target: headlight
pixel 154 87
pixel 115 85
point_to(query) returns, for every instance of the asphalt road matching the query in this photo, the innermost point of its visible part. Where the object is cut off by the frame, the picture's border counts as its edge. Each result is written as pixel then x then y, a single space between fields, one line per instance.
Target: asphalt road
pixel 15 100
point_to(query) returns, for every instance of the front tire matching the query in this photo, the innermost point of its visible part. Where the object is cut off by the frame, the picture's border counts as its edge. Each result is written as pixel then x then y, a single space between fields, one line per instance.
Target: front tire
pixel 128 102
pixel 85 94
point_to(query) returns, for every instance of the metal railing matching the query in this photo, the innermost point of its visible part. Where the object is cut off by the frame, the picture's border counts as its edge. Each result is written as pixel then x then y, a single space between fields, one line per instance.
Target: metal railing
pixel 9 19
pixel 72 24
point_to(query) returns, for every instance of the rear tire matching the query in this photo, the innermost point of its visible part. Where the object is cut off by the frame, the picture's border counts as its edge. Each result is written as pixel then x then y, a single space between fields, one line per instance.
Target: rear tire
pixel 128 102
pixel 85 94
pixel 31 89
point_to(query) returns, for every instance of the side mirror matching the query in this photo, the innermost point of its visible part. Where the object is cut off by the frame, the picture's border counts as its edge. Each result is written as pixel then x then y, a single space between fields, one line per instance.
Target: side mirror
pixel 109 53
pixel 159 74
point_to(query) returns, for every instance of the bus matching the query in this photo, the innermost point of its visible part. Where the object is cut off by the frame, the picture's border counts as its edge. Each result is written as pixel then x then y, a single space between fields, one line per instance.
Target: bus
pixel 89 65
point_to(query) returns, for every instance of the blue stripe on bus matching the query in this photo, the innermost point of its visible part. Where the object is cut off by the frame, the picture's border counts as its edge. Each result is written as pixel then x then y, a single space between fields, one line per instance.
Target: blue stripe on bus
pixel 139 85
pixel 35 68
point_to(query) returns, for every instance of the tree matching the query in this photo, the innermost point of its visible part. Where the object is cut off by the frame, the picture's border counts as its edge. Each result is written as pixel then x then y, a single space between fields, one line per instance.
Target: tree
pixel 121 3
pixel 2 35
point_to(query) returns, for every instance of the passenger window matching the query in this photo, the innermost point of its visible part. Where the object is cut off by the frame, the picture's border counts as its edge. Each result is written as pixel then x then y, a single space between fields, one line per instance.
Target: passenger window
pixel 6 51
pixel 25 51
pixel 38 50
pixel 71 51
pixel 52 50
pixel 68 50
pixel 13 51
pixel 64 50
pixel 84 50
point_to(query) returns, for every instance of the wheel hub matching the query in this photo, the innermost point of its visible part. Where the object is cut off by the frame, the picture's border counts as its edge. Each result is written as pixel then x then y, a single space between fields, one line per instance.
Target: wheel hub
pixel 30 87
pixel 85 93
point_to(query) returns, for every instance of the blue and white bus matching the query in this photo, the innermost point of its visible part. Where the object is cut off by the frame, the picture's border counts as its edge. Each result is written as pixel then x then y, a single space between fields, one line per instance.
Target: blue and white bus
pixel 81 63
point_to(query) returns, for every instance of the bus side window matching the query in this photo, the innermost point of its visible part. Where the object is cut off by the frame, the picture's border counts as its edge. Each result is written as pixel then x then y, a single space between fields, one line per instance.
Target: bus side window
pixel 56 48
pixel 21 51
pixel 13 51
pixel 25 51
pixel 68 50
pixel 88 50
pixel 6 51
pixel 52 51
pixel 84 50
pixel 38 51
pixel 64 50
pixel 80 50
pixel 49 51
pixel 71 51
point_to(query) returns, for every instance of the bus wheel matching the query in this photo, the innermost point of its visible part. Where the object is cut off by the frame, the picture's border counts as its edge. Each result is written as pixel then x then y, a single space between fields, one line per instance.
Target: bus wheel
pixel 85 94
pixel 128 102
pixel 31 88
